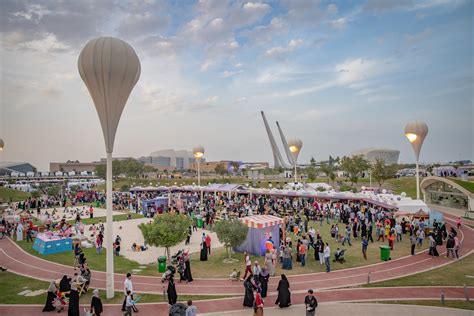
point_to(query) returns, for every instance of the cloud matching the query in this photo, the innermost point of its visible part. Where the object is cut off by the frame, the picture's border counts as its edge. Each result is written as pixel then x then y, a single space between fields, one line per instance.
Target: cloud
pixel 338 23
pixel 380 6
pixel 139 24
pixel 414 39
pixel 230 73
pixel 49 43
pixel 280 50
pixel 266 33
pixel 332 9
pixel 211 99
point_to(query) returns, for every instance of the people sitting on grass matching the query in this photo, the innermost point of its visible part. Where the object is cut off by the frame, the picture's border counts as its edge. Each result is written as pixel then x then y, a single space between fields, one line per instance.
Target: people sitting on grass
pixel 136 247
pixel 235 275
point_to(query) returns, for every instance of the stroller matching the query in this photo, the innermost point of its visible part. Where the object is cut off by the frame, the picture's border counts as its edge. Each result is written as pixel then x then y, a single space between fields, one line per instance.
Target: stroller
pixel 339 256
pixel 178 309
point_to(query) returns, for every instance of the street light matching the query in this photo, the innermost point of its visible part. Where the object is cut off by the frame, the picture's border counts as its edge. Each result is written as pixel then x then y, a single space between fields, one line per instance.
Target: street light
pixel 110 68
pixel 198 152
pixel 416 132
pixel 295 145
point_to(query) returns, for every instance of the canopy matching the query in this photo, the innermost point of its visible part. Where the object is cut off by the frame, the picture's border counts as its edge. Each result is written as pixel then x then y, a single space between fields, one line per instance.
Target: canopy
pixel 262 230
pixel 261 221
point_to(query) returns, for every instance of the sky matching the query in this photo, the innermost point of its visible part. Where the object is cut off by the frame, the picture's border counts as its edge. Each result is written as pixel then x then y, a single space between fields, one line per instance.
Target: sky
pixel 339 75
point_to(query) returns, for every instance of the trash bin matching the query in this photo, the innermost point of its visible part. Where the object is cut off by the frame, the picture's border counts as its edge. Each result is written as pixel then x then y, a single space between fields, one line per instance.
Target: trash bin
pixel 97 204
pixel 199 222
pixel 161 264
pixel 385 253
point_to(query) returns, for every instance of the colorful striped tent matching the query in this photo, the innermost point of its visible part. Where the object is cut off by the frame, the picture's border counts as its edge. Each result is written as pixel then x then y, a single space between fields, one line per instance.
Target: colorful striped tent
pixel 261 228
pixel 261 221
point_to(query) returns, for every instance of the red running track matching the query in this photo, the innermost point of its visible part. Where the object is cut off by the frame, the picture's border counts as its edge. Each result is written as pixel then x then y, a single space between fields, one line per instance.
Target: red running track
pixel 232 304
pixel 20 262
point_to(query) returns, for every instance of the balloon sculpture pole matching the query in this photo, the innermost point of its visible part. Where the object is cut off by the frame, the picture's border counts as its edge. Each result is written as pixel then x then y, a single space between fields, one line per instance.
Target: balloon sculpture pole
pixel 110 68
pixel 416 133
pixel 198 152
pixel 295 147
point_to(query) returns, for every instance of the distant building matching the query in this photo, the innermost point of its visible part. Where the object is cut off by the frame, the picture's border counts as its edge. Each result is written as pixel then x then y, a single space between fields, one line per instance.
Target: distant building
pixel 70 166
pixel 390 156
pixel 170 159
pixel 16 168
pixel 229 165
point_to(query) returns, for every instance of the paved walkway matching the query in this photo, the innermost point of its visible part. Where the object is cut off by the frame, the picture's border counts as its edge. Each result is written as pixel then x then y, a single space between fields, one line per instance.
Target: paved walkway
pixel 20 262
pixel 360 309
pixel 219 307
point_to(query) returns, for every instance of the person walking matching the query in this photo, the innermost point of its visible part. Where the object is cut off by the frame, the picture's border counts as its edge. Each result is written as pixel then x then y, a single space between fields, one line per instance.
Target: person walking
pixel 284 295
pixel 327 256
pixel 130 303
pixel 127 287
pixel 73 309
pixel 413 244
pixel 258 304
pixel 347 236
pixel 365 244
pixel 49 307
pixel 302 254
pixel 96 303
pixel 249 287
pixel 311 303
pixel 171 291
pixel 208 243
pixel 248 265
pixel 191 310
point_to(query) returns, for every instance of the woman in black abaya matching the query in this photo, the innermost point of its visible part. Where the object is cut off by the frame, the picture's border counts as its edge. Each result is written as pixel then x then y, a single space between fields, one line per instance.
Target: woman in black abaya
pixel 73 309
pixel 263 278
pixel 203 251
pixel 284 295
pixel 249 287
pixel 172 295
pixel 49 307
pixel 187 271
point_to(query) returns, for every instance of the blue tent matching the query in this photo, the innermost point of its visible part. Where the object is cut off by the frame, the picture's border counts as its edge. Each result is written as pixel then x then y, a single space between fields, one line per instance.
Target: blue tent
pixel 154 204
pixel 261 228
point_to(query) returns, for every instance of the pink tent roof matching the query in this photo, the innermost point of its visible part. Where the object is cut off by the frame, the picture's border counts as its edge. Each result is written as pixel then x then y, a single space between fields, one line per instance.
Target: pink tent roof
pixel 261 221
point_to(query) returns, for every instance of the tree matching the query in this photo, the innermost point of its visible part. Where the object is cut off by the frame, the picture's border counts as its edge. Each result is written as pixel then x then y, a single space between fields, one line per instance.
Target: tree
pixel 354 166
pixel 382 172
pixel 166 230
pixel 329 170
pixel 220 169
pixel 232 233
pixel 235 165
pixel 53 190
pixel 312 162
pixel 311 172
pixel 100 171
pixel 35 194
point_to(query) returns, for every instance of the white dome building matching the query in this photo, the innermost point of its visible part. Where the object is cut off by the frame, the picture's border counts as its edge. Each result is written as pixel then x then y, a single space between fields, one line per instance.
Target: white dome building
pixel 390 156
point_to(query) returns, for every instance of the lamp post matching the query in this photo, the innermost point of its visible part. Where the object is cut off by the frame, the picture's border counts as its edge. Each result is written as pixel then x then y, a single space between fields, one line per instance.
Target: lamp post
pixel 110 68
pixel 198 152
pixel 416 132
pixel 295 147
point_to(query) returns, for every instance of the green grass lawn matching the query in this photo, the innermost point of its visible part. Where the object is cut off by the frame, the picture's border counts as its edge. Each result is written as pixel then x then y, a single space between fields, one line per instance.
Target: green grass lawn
pixel 215 267
pixel 7 195
pixel 95 220
pixel 353 257
pixel 403 184
pixel 468 185
pixel 447 303
pixel 12 284
pixel 454 274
